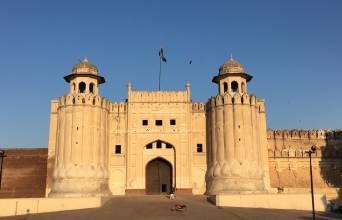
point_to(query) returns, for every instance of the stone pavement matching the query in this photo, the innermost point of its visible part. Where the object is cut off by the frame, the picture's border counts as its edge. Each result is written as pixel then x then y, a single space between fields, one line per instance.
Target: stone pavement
pixel 161 208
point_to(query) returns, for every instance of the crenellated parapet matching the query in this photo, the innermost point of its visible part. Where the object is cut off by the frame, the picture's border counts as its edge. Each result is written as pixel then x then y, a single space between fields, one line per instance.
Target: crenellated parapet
pixel 301 153
pixel 294 143
pixel 118 107
pixel 158 96
pixel 198 107
pixel 84 99
pixel 236 135
pixel 237 99
pixel 297 134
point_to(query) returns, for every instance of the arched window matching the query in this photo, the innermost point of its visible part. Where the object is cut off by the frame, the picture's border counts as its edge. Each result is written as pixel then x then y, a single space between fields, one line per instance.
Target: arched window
pixel 73 86
pixel 225 87
pixel 243 87
pixel 81 87
pixel 91 88
pixel 235 86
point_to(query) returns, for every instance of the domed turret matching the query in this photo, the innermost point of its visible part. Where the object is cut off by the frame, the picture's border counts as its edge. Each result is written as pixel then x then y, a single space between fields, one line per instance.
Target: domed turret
pixel 84 78
pixel 232 77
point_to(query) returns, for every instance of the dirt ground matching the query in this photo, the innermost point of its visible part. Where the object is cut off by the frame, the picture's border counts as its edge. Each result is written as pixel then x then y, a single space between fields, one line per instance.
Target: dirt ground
pixel 162 208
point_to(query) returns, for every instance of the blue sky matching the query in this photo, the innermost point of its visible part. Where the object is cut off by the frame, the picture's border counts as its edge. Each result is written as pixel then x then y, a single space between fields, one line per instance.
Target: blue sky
pixel 292 48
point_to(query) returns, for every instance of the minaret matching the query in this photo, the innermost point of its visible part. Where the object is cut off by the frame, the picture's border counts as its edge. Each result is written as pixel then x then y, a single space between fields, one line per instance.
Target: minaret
pixel 236 134
pixel 81 163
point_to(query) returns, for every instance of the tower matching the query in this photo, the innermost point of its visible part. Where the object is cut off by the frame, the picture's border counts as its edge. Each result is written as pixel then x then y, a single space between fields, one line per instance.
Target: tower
pixel 81 161
pixel 236 134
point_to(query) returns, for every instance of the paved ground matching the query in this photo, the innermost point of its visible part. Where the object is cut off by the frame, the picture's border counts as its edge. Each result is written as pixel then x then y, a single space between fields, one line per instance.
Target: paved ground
pixel 161 208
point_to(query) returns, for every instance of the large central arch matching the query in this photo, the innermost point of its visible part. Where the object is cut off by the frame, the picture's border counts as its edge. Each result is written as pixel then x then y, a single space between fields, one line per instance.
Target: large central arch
pixel 158 176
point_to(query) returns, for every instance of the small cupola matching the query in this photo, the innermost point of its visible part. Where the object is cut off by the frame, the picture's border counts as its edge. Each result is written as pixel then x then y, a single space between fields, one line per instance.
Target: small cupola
pixel 84 78
pixel 232 77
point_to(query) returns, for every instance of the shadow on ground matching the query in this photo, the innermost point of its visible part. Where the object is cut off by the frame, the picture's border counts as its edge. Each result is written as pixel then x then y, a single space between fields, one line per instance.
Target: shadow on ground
pixel 160 207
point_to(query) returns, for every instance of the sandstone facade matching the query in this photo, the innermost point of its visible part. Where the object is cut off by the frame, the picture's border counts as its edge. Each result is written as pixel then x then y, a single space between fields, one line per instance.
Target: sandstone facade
pixel 158 141
pixel 288 162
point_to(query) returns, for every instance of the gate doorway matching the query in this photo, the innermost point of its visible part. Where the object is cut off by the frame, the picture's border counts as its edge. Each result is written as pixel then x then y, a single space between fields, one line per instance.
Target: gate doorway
pixel 158 177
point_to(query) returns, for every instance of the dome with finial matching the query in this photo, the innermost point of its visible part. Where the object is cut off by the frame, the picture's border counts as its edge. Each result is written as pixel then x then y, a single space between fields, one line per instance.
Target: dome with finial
pixel 85 67
pixel 231 66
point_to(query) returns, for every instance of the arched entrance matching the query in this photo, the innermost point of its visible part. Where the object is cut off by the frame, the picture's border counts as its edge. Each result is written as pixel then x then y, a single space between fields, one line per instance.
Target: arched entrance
pixel 158 177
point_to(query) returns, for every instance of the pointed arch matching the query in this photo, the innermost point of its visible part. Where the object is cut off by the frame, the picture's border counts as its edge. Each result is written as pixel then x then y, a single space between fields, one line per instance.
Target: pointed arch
pixel 234 86
pixel 158 176
pixel 225 87
pixel 81 87
pixel 91 87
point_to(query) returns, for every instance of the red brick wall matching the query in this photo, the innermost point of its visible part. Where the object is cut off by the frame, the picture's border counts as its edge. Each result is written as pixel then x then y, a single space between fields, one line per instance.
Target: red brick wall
pixel 24 173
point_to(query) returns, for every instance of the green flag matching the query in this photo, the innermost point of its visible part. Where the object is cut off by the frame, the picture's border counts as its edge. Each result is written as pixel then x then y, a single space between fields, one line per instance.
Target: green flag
pixel 161 55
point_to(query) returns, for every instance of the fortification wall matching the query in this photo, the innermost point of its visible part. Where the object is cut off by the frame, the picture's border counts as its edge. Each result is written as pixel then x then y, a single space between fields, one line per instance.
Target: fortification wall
pixel 198 138
pixel 289 164
pixel 117 136
pixel 24 173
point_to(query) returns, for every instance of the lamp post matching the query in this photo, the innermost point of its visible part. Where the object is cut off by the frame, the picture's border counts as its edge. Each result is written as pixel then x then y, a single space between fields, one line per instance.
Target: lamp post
pixel 311 151
pixel 2 156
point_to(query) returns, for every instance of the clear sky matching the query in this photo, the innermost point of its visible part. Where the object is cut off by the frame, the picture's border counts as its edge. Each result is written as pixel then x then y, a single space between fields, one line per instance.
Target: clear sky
pixel 292 48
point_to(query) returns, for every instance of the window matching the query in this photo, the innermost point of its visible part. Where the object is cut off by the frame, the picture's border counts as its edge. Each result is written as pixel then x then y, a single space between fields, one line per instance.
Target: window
pixel 144 122
pixel 149 146
pixel 159 144
pixel 225 87
pixel 173 122
pixel 73 86
pixel 235 86
pixel 91 87
pixel 82 87
pixel 159 122
pixel 118 149
pixel 168 146
pixel 199 148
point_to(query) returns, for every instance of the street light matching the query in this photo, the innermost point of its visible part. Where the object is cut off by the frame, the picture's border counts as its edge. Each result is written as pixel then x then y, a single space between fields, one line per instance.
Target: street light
pixel 2 156
pixel 312 151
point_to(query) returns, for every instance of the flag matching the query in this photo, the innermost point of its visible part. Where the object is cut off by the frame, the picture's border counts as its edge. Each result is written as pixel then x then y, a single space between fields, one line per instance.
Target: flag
pixel 161 55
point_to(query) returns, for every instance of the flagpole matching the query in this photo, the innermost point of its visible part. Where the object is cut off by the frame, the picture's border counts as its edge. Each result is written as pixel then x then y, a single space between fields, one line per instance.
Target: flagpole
pixel 159 71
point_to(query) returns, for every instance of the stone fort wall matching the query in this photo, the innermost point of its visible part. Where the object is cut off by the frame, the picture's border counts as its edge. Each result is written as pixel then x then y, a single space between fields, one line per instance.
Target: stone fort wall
pixel 289 164
pixel 24 171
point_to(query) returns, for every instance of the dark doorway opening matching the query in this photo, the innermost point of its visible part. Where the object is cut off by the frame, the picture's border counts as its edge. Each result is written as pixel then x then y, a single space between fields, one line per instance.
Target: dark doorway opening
pixel 158 177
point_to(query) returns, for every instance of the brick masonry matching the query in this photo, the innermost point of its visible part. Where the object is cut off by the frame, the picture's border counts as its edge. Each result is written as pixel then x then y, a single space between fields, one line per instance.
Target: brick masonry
pixel 24 173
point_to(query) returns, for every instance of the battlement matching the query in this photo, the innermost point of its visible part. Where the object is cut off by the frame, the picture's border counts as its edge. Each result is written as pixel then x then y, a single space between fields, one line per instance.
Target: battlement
pixel 158 96
pixel 304 134
pixel 326 152
pixel 83 99
pixel 237 99
pixel 118 107
pixel 198 107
